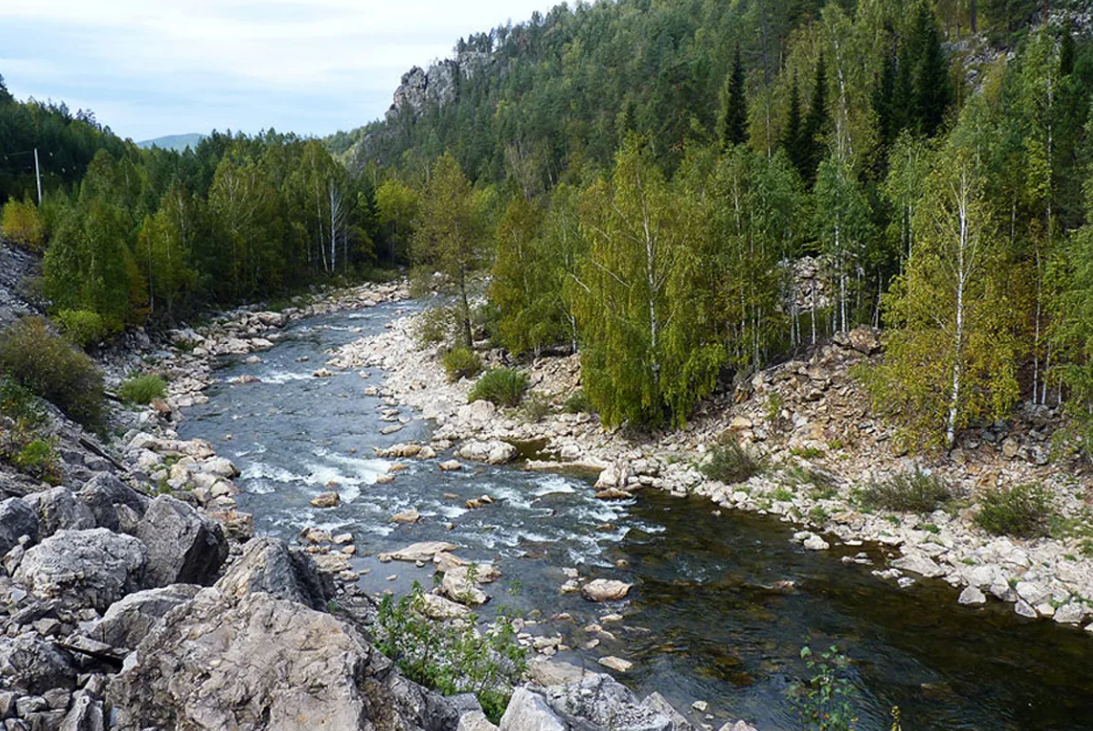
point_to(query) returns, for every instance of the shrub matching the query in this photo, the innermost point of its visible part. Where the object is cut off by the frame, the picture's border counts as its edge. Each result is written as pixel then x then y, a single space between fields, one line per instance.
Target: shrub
pixel 825 701
pixel 911 492
pixel 435 325
pixel 142 389
pixel 19 404
pixel 461 363
pixel 1023 511
pixel 52 368
pixel 502 386
pixel 577 403
pixel 730 463
pixel 21 224
pixel 39 460
pixel 536 407
pixel 82 326
pixel 450 657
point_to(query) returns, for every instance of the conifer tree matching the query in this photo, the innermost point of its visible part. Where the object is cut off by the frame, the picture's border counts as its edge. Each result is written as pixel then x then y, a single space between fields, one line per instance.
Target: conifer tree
pixel 793 133
pixel 733 121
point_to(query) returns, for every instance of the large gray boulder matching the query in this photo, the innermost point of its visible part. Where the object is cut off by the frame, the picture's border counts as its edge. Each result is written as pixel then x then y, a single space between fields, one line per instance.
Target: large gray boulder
pixel 605 703
pixel 86 714
pixel 184 547
pixel 129 620
pixel 265 663
pixel 17 519
pixel 58 509
pixel 104 493
pixel 83 568
pixel 30 665
pixel 269 565
pixel 528 711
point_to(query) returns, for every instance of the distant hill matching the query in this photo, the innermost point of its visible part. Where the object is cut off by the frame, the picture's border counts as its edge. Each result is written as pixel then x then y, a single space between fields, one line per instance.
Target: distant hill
pixel 173 142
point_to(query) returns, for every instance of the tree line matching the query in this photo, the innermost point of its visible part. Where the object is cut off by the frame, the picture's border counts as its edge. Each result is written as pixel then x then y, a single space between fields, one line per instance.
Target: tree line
pixel 132 235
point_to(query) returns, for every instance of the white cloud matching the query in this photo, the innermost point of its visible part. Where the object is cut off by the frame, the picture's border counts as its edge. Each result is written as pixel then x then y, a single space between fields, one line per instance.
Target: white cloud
pixel 326 53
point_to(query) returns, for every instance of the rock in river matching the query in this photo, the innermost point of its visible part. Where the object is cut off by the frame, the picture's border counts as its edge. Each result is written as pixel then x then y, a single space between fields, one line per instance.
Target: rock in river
pixel 605 590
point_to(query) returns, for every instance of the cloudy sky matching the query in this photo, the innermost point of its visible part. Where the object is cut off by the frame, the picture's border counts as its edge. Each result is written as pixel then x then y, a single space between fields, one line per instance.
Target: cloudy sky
pixel 149 68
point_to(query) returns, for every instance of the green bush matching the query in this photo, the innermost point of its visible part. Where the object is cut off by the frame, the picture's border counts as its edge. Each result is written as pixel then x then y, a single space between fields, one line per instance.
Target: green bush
pixel 451 657
pixel 52 368
pixel 19 404
pixel 461 363
pixel 142 389
pixel 730 463
pixel 911 492
pixel 82 326
pixel 536 407
pixel 39 460
pixel 577 403
pixel 1023 511
pixel 502 386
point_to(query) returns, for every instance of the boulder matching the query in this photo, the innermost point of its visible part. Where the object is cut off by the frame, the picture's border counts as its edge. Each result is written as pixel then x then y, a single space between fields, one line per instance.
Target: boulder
pixel 30 665
pixel 211 664
pixel 919 563
pixel 458 587
pixel 492 452
pixel 183 546
pixel 615 476
pixel 437 607
pixel 605 590
pixel 545 672
pixel 416 552
pixel 129 620
pixel 17 519
pixel 475 721
pixel 406 517
pixel 329 499
pixel 616 663
pixel 86 714
pixel 57 509
pixel 528 711
pixel 972 596
pixel 865 340
pixel 605 702
pixel 269 565
pixel 103 493
pixel 84 568
pixel 659 704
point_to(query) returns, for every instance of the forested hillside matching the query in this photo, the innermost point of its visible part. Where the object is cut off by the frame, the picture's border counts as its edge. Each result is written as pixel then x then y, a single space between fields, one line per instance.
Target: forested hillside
pixel 686 190
pixel 132 235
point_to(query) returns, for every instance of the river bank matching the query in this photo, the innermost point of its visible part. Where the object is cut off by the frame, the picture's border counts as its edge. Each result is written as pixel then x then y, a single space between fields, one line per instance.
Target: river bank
pixel 803 416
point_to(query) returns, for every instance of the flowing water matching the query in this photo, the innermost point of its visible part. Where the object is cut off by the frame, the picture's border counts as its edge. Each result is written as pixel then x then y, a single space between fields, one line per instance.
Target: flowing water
pixel 706 619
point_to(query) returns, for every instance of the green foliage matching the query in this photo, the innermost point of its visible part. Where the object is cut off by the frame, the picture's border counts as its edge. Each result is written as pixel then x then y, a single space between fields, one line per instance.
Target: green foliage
pixel 142 389
pixel 461 363
pixel 448 237
pixel 502 386
pixel 912 492
pixel 577 403
pixel 39 460
pixel 82 327
pixel 536 407
pixel 451 657
pixel 21 224
pixel 52 368
pixel 730 463
pixel 1021 511
pixel 825 701
pixel 19 404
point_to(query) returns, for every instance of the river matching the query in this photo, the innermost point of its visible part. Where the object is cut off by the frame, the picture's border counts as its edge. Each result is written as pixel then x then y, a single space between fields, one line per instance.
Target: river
pixel 704 621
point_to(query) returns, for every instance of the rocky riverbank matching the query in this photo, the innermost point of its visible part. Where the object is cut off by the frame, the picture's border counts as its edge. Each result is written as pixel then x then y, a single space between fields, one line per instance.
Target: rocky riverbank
pixel 821 442
pixel 135 595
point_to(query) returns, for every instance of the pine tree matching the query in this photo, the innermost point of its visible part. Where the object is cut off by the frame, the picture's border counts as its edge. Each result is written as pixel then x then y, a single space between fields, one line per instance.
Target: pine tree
pixel 793 133
pixel 733 121
pixel 931 88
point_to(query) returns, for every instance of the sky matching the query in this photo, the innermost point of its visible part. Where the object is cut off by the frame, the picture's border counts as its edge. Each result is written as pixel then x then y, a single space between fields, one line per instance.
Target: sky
pixel 149 68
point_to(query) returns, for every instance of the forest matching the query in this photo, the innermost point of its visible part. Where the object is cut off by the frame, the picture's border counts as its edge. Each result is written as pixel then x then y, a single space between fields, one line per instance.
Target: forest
pixel 134 236
pixel 646 182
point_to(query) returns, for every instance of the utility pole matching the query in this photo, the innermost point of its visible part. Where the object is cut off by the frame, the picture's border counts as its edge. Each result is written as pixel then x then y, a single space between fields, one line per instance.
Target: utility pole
pixel 38 174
